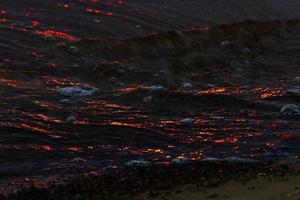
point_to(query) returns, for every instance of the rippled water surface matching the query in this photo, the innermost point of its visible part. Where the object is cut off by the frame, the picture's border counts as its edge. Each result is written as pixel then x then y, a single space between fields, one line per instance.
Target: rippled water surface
pixel 83 89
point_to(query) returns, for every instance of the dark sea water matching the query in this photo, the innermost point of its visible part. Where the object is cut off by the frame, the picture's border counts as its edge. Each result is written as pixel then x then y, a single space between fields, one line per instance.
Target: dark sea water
pixel 89 86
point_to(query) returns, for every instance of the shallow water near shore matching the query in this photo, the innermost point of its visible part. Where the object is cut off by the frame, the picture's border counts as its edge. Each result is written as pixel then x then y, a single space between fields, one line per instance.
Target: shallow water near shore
pixel 85 95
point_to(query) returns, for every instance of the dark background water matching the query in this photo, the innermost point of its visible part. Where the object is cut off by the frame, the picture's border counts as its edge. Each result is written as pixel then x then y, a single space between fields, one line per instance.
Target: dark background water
pixel 132 18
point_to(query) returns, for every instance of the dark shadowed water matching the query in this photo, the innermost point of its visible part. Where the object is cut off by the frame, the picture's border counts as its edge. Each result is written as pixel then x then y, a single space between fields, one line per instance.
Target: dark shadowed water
pixel 87 86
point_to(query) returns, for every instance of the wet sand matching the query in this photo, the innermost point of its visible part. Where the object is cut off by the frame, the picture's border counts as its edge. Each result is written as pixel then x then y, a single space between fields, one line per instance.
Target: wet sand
pixel 198 180
pixel 282 184
pixel 266 188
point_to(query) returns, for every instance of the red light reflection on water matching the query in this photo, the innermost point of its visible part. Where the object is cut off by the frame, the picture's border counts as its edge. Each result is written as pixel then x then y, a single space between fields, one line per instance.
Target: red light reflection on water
pixel 130 89
pixel 212 130
pixel 57 34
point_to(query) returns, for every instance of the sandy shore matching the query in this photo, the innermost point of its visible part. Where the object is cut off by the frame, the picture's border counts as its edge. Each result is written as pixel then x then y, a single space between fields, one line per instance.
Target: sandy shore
pixel 283 185
pixel 262 188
